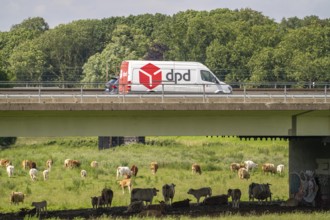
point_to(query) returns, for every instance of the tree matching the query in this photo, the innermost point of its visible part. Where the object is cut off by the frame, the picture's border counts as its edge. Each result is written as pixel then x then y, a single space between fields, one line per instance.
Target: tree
pixel 126 43
pixel 7 141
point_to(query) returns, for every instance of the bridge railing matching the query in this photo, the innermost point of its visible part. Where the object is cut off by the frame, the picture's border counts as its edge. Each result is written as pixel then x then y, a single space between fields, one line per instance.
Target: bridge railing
pixel 95 93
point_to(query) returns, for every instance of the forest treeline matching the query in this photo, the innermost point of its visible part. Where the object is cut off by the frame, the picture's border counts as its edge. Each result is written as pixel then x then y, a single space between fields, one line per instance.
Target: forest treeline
pixel 237 45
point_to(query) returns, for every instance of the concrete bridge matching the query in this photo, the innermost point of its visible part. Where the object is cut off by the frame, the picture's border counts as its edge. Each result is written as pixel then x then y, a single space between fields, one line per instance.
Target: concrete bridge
pixel 306 124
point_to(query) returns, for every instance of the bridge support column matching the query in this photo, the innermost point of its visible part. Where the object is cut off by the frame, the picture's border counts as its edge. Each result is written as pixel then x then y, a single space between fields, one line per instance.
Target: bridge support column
pixel 310 153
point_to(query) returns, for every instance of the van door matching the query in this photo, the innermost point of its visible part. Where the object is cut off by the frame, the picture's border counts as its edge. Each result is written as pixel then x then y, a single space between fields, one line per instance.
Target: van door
pixel 211 82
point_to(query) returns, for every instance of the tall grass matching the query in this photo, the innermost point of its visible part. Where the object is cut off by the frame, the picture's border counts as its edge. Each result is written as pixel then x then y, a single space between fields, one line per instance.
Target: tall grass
pixel 65 189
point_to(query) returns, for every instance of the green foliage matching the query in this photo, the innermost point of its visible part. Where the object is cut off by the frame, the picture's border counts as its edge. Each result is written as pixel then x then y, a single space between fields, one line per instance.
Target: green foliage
pixel 238 46
pixel 7 141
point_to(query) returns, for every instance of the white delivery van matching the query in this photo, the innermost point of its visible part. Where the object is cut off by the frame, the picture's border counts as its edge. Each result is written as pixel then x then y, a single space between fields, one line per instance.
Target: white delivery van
pixel 139 76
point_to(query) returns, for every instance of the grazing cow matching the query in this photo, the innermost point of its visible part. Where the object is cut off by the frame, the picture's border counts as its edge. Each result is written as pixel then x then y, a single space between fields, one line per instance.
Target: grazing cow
pixel 94 201
pixel 154 167
pixel 33 173
pixel 107 196
pixel 4 162
pixel 16 198
pixel 181 204
pixel 40 206
pixel 74 163
pixel 168 191
pixel 124 171
pixel 28 164
pixel 291 202
pixel 235 195
pixel 126 183
pixel 280 169
pixel 66 162
pixel 154 210
pixel 143 194
pixel 135 207
pixel 260 192
pixel 94 164
pixel 49 164
pixel 236 166
pixel 268 168
pixel 202 192
pixel 10 170
pixel 250 165
pixel 195 168
pixel 243 173
pixel 83 173
pixel 45 174
pixel 216 200
pixel 134 170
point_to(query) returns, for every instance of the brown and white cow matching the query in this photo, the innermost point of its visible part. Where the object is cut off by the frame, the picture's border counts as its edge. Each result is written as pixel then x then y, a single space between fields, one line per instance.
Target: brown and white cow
pixel 243 173
pixel 236 166
pixel 268 168
pixel 154 167
pixel 196 168
pixel 134 170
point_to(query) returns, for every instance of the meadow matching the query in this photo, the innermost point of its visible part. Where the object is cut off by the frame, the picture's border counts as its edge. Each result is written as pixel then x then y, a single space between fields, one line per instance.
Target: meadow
pixel 65 189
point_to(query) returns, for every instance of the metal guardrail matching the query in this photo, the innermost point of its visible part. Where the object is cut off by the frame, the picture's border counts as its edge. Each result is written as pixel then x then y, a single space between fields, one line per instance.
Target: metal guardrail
pixel 163 98
pixel 247 94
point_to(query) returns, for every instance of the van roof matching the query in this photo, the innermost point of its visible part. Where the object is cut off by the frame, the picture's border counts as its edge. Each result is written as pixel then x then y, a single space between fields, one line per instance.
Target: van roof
pixel 157 62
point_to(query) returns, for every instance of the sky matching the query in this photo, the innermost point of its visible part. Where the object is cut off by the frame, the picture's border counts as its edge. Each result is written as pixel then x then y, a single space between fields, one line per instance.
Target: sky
pixel 57 12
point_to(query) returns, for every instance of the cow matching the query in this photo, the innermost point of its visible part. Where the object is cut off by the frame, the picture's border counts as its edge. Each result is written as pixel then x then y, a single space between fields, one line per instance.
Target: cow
pixel 10 170
pixel 4 162
pixel 74 163
pixel 260 192
pixel 83 173
pixel 280 169
pixel 107 196
pixel 33 173
pixel 216 200
pixel 168 191
pixel 40 206
pixel 235 195
pixel 124 171
pixel 236 166
pixel 143 194
pixel 94 164
pixel 268 168
pixel 49 164
pixel 154 167
pixel 28 164
pixel 181 204
pixel 195 168
pixel 243 173
pixel 94 201
pixel 201 192
pixel 45 174
pixel 135 207
pixel 126 183
pixel 134 170
pixel 17 197
pixel 250 165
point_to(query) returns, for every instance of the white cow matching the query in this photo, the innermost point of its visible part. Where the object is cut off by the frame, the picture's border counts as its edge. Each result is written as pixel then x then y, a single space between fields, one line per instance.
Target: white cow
pixel 250 165
pixel 33 173
pixel 45 174
pixel 10 170
pixel 280 169
pixel 121 171
pixel 83 173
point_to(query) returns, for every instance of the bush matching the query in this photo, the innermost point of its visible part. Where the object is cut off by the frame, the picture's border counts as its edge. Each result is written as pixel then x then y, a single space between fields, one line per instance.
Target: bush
pixel 7 141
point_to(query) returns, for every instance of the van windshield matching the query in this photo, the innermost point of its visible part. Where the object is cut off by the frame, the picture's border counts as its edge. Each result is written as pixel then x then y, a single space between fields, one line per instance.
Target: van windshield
pixel 208 76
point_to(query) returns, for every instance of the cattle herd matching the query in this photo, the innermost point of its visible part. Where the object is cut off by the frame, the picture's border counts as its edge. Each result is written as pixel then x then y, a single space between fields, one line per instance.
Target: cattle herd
pixel 140 197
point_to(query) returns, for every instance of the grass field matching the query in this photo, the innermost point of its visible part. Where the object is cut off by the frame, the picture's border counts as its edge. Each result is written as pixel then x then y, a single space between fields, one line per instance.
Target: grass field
pixel 65 189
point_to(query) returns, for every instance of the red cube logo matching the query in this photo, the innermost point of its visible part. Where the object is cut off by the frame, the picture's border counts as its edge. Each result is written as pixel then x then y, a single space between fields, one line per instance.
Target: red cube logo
pixel 150 76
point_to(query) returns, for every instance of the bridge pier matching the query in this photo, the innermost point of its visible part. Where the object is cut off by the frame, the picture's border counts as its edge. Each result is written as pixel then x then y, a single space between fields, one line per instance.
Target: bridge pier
pixel 310 153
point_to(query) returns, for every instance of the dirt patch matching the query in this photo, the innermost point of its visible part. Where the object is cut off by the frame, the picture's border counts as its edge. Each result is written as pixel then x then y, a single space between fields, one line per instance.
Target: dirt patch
pixel 246 208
